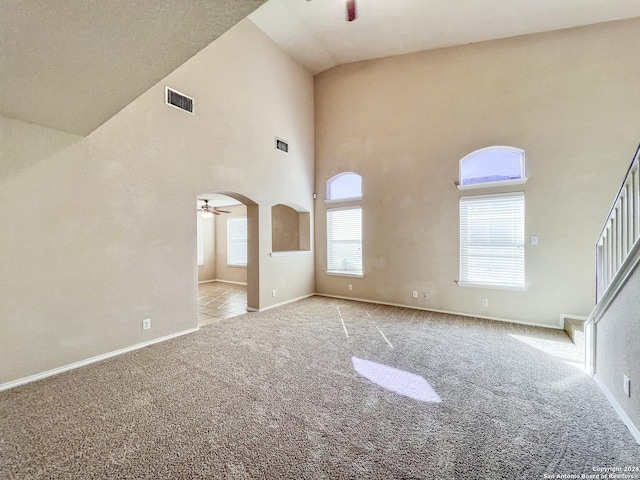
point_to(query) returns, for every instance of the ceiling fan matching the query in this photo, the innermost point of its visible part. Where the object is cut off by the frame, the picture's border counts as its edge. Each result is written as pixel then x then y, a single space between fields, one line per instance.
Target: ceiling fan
pixel 208 211
pixel 351 10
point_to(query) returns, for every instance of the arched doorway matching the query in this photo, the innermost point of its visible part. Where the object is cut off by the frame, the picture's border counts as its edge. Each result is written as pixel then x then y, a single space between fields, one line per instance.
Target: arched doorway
pixel 229 273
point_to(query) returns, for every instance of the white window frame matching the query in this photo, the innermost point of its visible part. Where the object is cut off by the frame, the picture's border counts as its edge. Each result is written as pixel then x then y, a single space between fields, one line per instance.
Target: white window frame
pixel 238 240
pixel 355 195
pixel 519 181
pixel 339 271
pixel 472 276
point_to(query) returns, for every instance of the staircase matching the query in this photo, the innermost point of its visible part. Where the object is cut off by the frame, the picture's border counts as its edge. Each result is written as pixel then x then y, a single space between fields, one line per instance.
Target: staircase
pixel 612 330
pixel 574 326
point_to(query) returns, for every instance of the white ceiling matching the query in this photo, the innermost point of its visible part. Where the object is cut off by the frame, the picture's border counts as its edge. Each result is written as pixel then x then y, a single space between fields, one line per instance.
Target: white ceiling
pixel 317 34
pixel 73 64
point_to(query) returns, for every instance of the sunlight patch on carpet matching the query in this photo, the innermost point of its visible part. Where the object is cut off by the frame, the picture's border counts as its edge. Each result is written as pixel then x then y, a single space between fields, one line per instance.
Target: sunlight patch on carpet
pixel 398 381
pixel 565 351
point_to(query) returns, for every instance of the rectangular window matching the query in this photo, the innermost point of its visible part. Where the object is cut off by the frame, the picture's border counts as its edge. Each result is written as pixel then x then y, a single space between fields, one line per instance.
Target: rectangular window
pixel 492 240
pixel 237 241
pixel 199 241
pixel 344 241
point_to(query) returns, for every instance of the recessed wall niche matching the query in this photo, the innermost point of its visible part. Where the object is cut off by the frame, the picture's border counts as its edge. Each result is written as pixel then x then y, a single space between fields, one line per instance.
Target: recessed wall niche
pixel 290 229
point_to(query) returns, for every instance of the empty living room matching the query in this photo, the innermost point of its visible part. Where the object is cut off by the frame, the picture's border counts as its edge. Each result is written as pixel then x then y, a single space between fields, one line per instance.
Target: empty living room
pixel 319 239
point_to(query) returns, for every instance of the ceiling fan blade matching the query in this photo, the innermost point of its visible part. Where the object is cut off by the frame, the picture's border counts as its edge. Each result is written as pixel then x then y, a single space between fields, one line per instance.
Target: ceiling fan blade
pixel 351 10
pixel 222 211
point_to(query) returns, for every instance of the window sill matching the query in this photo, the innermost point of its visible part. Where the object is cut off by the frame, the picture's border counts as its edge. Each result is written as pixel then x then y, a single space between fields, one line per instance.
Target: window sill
pixel 290 253
pixel 343 200
pixel 237 265
pixel 515 288
pixel 343 274
pixel 504 183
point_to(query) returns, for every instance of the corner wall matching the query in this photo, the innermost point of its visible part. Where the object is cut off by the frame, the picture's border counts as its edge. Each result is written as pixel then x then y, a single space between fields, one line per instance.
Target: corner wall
pixel 207 271
pixel 568 98
pixel 99 233
pixel 617 343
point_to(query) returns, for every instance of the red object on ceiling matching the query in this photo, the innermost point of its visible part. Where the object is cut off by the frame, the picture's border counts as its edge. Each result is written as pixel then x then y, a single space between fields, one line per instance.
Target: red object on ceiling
pixel 351 10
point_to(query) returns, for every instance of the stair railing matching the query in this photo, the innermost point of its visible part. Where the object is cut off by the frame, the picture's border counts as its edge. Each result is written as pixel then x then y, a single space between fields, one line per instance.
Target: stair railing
pixel 621 229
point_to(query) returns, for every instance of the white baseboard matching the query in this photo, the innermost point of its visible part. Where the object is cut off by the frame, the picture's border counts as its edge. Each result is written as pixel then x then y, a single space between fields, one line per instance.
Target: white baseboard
pixel 230 281
pixel 222 281
pixel 286 302
pixel 413 307
pixel 88 361
pixel 621 413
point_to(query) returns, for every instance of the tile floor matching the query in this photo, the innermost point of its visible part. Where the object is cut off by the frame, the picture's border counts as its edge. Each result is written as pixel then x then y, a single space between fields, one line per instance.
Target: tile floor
pixel 219 300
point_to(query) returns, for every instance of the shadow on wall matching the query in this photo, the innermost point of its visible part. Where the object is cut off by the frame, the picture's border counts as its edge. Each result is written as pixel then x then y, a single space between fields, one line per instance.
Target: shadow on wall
pixel 43 144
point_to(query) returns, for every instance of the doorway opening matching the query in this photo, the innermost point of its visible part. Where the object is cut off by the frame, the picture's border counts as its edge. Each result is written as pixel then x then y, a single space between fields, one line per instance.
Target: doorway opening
pixel 220 300
pixel 227 245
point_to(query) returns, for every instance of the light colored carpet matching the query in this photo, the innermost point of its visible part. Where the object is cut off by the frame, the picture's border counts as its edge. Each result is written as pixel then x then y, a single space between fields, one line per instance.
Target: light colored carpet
pixel 278 394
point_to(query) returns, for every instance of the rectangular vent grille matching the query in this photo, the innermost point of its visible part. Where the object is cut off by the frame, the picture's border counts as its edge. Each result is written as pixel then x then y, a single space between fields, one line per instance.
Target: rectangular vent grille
pixel 179 100
pixel 282 145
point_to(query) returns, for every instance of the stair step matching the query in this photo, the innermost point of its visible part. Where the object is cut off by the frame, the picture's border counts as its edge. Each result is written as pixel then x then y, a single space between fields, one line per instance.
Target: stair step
pixel 574 326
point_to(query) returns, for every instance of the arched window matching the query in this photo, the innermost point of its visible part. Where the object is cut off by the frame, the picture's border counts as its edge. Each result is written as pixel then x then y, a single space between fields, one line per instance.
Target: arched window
pixel 344 225
pixel 492 166
pixel 344 186
pixel 492 226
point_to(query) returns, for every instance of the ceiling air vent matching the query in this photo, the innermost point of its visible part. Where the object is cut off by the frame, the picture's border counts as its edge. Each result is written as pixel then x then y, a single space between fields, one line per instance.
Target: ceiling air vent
pixel 282 145
pixel 178 100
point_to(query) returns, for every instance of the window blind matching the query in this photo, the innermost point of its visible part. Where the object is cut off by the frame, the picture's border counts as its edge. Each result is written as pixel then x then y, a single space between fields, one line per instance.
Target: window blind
pixel 492 239
pixel 344 240
pixel 237 241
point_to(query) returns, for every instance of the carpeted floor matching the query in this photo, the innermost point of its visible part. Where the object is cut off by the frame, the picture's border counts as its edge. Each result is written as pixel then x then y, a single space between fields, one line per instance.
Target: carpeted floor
pixel 321 388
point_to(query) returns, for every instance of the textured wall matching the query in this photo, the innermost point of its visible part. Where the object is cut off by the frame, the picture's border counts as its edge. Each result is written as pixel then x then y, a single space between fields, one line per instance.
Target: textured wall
pixel 618 347
pixel 285 229
pixel 568 98
pixel 98 233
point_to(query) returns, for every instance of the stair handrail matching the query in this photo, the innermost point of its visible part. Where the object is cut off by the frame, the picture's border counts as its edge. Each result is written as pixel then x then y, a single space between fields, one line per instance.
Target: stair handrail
pixel 621 230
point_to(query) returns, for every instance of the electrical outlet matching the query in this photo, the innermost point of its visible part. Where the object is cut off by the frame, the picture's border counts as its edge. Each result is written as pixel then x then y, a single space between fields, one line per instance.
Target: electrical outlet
pixel 350 287
pixel 426 296
pixel 485 302
pixel 273 293
pixel 627 385
pixel 415 294
pixel 146 324
pixel 534 240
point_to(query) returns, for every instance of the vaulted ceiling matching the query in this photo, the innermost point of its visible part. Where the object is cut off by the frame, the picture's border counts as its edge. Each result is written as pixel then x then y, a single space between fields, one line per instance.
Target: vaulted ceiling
pixel 72 64
pixel 316 33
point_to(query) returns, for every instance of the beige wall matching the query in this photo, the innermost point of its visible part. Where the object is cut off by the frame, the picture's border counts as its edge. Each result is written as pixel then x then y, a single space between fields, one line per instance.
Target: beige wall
pixel 285 228
pixel 207 271
pixel 98 233
pixel 230 273
pixel 568 98
pixel 618 347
